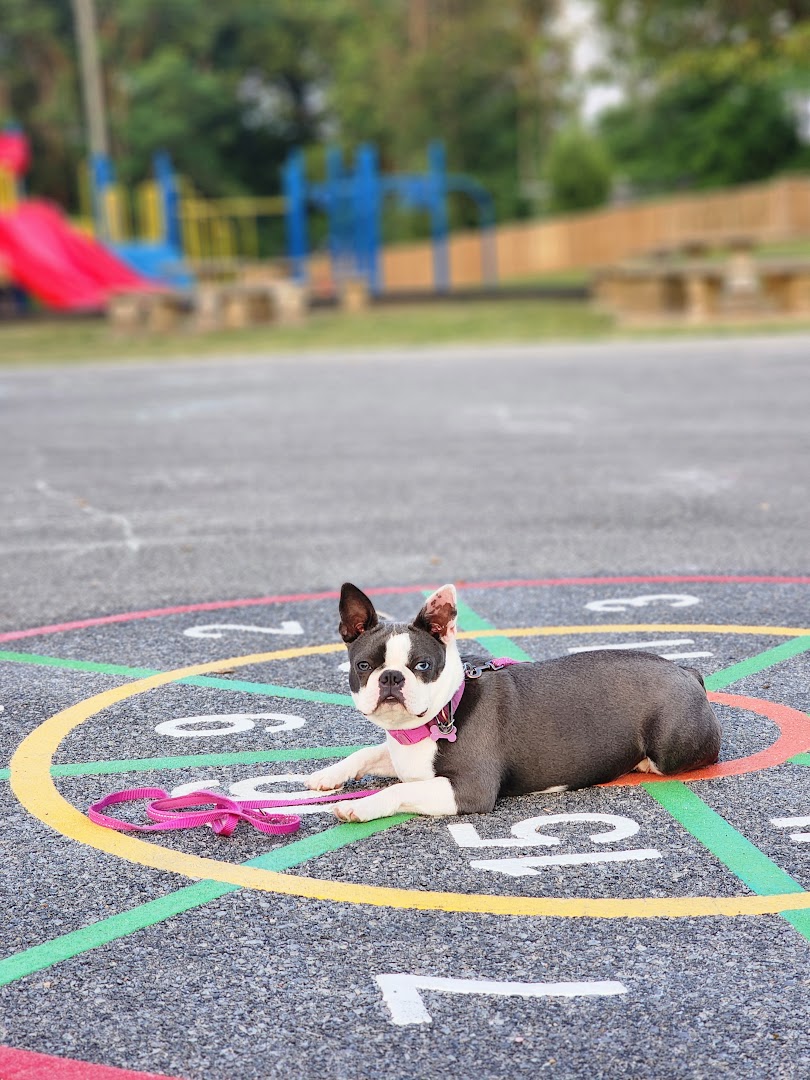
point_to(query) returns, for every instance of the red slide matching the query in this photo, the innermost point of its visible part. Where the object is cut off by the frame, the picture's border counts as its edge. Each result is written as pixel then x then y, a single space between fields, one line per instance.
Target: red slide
pixel 60 266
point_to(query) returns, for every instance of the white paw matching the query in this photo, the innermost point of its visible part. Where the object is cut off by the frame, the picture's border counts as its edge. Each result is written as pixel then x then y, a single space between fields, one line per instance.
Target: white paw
pixel 359 810
pixel 327 779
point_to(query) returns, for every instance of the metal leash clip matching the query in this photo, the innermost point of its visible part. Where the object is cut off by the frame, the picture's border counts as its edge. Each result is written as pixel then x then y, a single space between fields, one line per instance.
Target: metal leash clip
pixel 475 671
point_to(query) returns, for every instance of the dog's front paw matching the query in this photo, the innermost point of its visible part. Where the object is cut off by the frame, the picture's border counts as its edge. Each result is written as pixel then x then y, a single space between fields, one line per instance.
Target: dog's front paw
pixel 327 779
pixel 349 811
pixel 366 809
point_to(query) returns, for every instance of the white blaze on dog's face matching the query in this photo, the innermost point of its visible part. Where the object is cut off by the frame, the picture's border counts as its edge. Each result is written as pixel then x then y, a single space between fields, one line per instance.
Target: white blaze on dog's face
pixel 401 674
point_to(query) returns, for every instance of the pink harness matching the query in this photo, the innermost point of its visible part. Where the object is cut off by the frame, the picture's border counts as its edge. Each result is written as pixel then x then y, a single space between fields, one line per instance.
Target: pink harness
pixel 442 725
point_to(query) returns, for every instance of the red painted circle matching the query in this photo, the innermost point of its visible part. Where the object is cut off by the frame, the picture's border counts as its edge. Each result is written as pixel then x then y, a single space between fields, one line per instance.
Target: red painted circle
pixel 219 605
pixel 794 726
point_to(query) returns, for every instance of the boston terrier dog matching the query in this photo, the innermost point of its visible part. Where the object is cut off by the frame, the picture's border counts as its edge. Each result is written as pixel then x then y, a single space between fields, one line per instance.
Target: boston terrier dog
pixel 459 735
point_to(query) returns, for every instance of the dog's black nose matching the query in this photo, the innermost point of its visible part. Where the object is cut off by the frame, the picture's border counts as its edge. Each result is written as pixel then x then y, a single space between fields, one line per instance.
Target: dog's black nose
pixel 391 679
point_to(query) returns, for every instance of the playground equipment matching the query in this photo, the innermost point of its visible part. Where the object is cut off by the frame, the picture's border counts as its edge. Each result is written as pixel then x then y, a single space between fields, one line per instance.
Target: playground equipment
pixel 42 254
pixel 147 234
pixel 148 239
pixel 165 219
pixel 353 203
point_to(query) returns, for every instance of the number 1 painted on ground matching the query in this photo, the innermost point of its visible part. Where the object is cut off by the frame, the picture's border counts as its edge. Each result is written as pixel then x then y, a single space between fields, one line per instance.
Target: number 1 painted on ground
pixel 401 992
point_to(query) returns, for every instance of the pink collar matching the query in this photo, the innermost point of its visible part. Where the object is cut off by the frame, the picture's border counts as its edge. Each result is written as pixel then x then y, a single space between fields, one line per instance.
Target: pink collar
pixel 442 725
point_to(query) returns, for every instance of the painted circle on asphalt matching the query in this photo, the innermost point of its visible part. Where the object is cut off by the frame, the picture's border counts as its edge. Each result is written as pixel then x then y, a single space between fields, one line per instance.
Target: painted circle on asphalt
pixel 33 786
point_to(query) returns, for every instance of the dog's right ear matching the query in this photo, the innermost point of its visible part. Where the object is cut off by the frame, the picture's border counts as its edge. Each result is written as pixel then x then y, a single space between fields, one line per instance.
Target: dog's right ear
pixel 357 614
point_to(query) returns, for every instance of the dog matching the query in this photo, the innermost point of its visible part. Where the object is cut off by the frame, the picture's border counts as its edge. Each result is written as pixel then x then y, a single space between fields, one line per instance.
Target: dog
pixel 461 733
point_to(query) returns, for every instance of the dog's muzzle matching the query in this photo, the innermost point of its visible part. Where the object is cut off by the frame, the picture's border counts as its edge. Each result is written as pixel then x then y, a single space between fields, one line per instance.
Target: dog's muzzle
pixel 391 687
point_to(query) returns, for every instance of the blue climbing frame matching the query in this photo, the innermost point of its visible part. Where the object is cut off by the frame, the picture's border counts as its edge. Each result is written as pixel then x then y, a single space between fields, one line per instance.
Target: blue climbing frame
pixel 352 200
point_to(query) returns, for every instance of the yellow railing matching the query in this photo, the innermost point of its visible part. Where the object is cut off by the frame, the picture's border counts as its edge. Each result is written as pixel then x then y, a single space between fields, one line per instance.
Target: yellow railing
pixel 8 191
pixel 223 231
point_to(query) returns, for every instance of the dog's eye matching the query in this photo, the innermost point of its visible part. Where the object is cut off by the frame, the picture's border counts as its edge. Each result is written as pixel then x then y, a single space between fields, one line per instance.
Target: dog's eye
pixel 363 665
pixel 422 665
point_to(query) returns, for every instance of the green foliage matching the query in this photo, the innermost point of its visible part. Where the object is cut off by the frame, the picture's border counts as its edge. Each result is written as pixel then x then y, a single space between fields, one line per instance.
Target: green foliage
pixel 645 35
pixel 578 171
pixel 705 128
pixel 38 89
pixel 458 75
pixel 229 88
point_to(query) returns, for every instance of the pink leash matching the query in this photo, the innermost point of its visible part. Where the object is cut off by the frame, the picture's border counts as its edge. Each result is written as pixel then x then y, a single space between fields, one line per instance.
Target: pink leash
pixel 171 812
pixel 167 812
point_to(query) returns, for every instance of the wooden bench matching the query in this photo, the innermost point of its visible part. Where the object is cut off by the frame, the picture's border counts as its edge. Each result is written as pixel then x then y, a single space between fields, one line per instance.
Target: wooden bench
pixel 158 312
pixel 212 306
pixel 705 290
pixel 235 305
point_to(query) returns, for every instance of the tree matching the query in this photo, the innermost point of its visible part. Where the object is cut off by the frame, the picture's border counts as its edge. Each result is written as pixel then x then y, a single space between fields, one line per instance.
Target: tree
pixel 716 118
pixel 229 89
pixel 643 35
pixel 473 73
pixel 38 89
pixel 578 170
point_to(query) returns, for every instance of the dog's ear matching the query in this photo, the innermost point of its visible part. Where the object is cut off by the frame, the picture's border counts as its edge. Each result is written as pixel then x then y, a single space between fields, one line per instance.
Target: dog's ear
pixel 438 616
pixel 357 613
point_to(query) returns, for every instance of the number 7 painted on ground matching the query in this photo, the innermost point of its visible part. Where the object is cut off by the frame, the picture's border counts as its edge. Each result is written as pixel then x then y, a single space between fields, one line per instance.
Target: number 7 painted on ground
pixel 401 992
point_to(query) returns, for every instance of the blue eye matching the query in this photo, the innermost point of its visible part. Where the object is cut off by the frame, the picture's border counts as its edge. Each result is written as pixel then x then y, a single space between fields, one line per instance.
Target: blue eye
pixel 422 665
pixel 363 665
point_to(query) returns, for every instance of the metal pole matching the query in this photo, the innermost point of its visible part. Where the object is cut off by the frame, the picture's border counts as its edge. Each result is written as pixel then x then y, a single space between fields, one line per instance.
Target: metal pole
pixel 84 18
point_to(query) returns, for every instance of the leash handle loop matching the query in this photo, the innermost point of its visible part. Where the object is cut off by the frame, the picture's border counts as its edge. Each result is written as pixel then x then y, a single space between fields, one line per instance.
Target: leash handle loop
pixel 222 814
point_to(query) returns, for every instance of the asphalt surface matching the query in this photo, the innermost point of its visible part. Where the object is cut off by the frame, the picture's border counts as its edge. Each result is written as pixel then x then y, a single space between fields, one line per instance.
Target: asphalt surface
pixel 145 487
pixel 159 483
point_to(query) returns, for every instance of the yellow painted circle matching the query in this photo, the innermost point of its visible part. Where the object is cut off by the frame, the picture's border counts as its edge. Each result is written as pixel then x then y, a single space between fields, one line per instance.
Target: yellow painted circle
pixel 33 786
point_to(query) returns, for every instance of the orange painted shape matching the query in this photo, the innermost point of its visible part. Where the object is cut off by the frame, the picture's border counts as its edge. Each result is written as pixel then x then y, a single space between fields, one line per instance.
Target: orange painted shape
pixel 794 738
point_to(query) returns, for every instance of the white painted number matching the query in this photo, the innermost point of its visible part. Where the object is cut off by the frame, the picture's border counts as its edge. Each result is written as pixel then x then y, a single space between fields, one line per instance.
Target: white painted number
pixel 657 645
pixel 531 865
pixel 794 823
pixel 186 727
pixel 527 834
pixel 401 993
pixel 622 603
pixel 218 630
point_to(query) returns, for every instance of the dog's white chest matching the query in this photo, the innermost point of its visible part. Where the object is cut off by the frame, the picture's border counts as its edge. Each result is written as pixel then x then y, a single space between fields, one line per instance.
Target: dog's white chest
pixel 413 761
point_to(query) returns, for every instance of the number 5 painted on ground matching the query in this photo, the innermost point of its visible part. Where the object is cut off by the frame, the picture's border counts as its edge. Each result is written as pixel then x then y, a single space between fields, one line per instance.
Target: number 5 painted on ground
pixel 401 992
pixel 526 834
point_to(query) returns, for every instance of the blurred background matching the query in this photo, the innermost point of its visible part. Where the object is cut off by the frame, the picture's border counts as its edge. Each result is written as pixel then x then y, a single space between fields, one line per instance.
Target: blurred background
pixel 370 149
pixel 342 188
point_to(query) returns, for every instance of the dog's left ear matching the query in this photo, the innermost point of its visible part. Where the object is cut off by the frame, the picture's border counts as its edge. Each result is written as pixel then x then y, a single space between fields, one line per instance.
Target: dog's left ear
pixel 438 616
pixel 357 614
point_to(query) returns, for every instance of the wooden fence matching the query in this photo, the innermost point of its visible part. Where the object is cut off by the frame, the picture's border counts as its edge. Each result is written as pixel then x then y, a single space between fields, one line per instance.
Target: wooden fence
pixel 773 212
